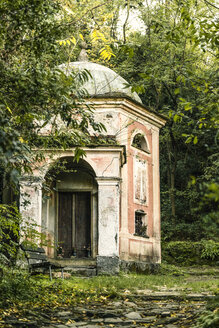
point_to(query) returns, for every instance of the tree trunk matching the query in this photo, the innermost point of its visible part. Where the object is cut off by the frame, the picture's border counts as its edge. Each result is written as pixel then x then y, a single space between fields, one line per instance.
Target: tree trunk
pixel 171 153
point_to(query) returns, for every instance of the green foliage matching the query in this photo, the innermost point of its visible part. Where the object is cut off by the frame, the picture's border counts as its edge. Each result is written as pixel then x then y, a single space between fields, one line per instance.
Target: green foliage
pixel 210 249
pixel 181 231
pixel 10 220
pixel 21 291
pixel 190 253
pixel 173 67
pixel 182 253
pixel 34 90
pixel 16 286
pixel 13 229
pixel 208 320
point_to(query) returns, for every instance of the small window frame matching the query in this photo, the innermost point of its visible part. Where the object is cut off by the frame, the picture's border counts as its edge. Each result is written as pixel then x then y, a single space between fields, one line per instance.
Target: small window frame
pixel 139 142
pixel 141 224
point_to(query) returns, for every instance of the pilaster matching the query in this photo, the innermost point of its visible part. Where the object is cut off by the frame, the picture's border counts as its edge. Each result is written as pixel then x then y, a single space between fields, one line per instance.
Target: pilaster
pixel 108 224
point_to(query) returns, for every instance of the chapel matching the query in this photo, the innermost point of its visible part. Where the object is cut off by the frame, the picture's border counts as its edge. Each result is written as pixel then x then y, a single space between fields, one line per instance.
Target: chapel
pixel 103 212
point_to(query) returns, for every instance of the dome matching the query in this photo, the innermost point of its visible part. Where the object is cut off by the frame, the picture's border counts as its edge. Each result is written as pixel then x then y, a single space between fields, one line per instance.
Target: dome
pixel 104 81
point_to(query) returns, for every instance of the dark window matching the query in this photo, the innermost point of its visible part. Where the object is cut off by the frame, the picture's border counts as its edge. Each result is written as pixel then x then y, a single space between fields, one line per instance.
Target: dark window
pixel 140 224
pixel 140 142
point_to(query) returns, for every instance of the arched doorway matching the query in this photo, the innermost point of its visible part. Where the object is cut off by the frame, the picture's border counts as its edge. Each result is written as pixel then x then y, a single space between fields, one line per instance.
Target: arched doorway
pixel 72 212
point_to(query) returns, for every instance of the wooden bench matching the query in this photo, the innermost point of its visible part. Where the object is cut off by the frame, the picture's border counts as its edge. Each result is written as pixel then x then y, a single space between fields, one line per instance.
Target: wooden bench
pixel 37 259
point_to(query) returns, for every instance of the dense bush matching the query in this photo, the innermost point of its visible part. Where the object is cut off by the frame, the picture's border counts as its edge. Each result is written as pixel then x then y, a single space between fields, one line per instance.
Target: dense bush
pixel 10 220
pixel 189 253
pixel 15 285
pixel 210 249
pixel 210 318
pixel 13 229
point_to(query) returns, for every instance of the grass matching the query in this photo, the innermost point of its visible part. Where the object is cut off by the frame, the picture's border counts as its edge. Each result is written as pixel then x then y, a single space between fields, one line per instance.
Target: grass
pixel 18 290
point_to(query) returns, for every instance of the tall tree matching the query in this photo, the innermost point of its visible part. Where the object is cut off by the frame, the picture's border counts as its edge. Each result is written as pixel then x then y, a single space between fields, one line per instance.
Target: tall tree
pixel 34 90
pixel 173 65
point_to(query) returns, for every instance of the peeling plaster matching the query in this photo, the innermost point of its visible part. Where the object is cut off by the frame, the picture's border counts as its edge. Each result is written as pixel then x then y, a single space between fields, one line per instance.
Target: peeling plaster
pixel 115 195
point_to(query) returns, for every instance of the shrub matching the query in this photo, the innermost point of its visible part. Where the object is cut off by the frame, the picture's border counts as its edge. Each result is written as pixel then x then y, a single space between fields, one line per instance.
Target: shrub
pixel 13 228
pixel 190 253
pixel 10 220
pixel 15 285
pixel 210 249
pixel 208 320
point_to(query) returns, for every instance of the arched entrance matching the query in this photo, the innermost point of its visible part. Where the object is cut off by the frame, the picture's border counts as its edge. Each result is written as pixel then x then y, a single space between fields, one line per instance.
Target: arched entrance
pixel 72 212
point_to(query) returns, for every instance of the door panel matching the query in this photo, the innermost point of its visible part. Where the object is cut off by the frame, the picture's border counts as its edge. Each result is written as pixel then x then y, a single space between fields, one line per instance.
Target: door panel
pixel 82 223
pixel 74 223
pixel 65 223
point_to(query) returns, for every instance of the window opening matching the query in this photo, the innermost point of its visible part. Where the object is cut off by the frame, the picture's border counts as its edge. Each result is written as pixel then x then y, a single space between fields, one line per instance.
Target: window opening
pixel 140 142
pixel 140 224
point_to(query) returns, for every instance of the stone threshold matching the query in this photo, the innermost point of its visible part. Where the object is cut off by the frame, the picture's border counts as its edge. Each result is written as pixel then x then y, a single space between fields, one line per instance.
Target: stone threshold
pixel 76 262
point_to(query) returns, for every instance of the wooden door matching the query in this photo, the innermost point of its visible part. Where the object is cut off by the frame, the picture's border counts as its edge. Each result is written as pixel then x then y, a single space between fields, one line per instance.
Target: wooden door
pixel 74 223
pixel 65 223
pixel 82 224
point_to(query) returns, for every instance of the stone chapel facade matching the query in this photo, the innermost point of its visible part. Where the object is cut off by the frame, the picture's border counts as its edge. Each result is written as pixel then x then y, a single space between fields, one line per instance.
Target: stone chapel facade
pixel 105 210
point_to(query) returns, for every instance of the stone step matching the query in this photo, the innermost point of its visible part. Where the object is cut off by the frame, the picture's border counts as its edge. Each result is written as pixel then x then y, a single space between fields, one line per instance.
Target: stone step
pixel 168 313
pixel 169 296
pixel 86 271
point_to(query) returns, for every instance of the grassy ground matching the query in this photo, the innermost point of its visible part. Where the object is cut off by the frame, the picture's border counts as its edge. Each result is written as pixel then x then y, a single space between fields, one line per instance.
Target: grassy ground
pixel 18 289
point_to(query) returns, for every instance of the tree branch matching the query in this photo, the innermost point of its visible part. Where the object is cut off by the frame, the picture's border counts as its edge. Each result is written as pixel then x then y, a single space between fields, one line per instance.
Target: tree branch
pixel 126 20
pixel 170 94
pixel 79 19
pixel 211 4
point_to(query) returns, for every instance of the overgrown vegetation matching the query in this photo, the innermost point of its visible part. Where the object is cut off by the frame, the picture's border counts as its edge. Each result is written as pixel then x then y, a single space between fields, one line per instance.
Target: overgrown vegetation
pixel 14 229
pixel 210 318
pixel 190 252
pixel 172 64
pixel 19 289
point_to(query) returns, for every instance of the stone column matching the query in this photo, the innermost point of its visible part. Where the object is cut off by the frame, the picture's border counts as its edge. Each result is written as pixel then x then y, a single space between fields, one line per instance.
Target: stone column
pixel 31 199
pixel 108 225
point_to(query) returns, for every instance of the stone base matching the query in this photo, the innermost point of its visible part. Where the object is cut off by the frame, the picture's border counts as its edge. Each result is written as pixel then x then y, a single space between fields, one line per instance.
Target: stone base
pixel 85 271
pixel 139 267
pixel 108 265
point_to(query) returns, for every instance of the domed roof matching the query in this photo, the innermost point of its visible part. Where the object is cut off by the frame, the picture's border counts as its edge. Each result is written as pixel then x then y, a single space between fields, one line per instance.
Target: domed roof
pixel 104 81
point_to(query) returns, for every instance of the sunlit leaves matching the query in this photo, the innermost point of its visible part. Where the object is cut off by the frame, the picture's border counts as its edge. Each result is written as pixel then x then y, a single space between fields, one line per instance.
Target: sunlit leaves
pixel 68 41
pixel 97 35
pixel 105 52
pixel 190 138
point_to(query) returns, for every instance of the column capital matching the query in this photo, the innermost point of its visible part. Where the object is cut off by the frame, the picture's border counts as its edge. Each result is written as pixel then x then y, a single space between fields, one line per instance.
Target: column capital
pixel 107 181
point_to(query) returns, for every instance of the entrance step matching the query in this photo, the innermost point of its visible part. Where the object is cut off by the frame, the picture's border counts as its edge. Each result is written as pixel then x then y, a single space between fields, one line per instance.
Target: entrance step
pixel 86 271
pixel 75 262
pixel 81 267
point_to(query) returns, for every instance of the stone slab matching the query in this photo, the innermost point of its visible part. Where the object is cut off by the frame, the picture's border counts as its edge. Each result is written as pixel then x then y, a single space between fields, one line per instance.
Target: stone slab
pixel 112 320
pixel 133 315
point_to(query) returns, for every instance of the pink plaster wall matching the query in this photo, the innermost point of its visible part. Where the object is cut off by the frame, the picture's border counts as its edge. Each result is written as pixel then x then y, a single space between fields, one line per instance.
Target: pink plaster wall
pixel 133 205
